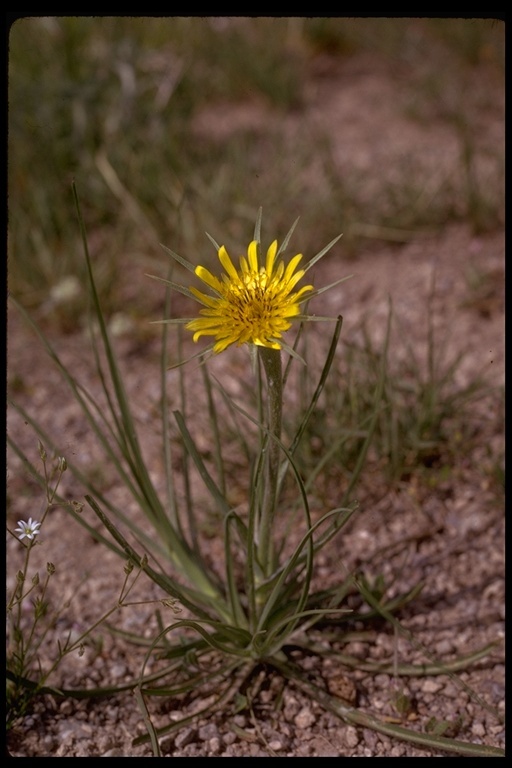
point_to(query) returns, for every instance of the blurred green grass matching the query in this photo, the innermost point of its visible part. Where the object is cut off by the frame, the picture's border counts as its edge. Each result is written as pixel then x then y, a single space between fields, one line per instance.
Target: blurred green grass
pixel 110 103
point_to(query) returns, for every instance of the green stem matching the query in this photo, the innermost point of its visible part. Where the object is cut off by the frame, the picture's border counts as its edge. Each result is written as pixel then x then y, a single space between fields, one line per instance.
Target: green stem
pixel 271 361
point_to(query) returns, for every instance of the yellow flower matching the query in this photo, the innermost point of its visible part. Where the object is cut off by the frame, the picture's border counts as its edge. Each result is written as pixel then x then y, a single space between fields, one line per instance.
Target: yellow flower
pixel 254 304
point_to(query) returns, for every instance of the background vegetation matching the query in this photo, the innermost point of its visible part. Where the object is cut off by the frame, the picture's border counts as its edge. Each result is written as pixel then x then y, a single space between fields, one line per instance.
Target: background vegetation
pixel 114 103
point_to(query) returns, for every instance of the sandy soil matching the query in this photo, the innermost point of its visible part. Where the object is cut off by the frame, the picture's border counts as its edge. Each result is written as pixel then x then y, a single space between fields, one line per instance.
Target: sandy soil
pixel 454 526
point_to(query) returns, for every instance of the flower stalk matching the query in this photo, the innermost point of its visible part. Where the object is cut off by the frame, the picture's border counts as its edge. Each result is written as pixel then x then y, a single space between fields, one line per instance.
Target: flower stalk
pixel 271 361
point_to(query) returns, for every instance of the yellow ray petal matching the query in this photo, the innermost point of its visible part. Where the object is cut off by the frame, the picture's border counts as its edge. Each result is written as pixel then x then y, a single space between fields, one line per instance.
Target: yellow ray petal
pixel 206 276
pixel 227 263
pixel 290 269
pixel 208 301
pixel 271 257
pixel 252 252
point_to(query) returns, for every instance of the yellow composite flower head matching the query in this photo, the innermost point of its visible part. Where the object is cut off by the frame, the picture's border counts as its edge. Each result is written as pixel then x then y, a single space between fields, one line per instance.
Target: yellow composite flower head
pixel 254 304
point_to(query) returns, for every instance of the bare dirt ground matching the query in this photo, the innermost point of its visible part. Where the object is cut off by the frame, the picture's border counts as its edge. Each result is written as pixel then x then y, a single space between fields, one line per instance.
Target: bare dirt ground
pixel 455 525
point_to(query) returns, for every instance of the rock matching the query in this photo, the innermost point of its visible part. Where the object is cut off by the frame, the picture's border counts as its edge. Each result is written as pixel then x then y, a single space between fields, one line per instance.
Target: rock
pixel 351 737
pixel 305 718
pixel 275 745
pixel 184 737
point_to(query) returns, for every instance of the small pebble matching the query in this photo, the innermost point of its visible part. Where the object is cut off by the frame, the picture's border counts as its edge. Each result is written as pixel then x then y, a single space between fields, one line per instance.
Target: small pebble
pixel 184 737
pixel 305 718
pixel 351 737
pixel 275 745
pixel 431 686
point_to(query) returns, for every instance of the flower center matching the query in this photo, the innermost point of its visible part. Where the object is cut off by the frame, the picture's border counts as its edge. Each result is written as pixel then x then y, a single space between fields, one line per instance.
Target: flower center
pixel 250 302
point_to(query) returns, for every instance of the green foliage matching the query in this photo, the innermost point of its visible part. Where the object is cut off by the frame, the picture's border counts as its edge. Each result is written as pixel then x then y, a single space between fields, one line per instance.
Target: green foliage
pixel 34 610
pixel 422 411
pixel 114 103
pixel 251 608
pixel 31 615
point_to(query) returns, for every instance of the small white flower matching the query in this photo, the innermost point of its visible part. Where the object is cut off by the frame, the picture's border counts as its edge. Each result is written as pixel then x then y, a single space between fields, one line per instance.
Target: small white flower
pixel 29 529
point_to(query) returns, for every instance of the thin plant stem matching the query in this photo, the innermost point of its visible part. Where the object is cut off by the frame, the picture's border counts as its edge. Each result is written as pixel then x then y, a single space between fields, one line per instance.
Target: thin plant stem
pixel 271 360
